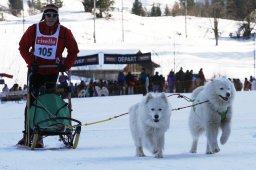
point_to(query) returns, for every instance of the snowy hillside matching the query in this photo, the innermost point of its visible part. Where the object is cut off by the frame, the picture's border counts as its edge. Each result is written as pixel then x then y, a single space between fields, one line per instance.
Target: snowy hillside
pixel 164 37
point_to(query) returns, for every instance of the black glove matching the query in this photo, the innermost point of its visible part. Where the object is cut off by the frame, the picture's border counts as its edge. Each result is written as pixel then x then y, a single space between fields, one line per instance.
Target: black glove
pixel 34 67
pixel 62 68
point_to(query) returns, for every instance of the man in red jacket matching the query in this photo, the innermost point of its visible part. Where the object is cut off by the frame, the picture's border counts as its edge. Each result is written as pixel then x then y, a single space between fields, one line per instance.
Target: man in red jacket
pixel 43 44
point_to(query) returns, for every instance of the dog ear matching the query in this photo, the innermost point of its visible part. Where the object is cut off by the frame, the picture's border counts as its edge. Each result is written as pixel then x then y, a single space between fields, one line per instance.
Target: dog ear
pixel 149 97
pixel 163 96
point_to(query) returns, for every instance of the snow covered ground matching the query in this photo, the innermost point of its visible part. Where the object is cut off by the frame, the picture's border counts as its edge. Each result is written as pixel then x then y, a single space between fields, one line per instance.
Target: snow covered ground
pixel 109 145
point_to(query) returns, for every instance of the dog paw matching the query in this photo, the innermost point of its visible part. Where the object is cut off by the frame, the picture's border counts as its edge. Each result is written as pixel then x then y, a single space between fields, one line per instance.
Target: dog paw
pixel 216 150
pixel 140 155
pixel 158 156
pixel 158 153
pixel 223 139
pixel 209 152
pixel 192 151
pixel 139 152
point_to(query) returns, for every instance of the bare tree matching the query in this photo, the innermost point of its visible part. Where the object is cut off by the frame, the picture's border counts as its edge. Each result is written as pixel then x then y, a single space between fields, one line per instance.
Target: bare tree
pixel 177 9
pixel 217 12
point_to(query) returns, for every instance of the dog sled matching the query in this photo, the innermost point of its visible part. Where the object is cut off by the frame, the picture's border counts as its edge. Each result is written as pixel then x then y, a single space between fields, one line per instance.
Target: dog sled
pixel 50 115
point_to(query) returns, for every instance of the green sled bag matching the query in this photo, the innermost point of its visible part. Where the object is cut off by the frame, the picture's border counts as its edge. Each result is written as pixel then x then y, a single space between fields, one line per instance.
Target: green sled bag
pixel 49 113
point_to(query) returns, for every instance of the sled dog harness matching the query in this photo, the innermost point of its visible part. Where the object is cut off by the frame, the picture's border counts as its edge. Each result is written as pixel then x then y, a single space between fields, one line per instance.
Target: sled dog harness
pixel 223 114
pixel 46 45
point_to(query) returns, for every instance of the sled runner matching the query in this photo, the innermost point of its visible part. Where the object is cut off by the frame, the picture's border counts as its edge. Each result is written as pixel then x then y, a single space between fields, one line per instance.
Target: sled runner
pixel 50 115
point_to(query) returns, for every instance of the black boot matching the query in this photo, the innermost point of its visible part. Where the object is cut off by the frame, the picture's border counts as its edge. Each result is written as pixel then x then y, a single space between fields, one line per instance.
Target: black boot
pixel 22 141
pixel 40 142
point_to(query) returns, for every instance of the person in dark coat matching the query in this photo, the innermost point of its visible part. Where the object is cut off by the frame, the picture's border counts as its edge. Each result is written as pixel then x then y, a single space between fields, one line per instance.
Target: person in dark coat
pixel 121 83
pixel 130 83
pixel 142 79
pixel 171 81
pixel 201 77
pixel 180 81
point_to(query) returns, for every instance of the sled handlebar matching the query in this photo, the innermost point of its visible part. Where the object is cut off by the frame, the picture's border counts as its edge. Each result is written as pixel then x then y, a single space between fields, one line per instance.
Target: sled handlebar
pixel 48 66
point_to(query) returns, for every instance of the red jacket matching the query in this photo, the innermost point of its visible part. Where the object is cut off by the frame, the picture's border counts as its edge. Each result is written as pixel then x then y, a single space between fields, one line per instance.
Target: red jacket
pixel 66 40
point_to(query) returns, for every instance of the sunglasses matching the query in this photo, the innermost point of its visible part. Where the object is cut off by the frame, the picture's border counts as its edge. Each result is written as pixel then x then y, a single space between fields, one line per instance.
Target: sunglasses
pixel 54 15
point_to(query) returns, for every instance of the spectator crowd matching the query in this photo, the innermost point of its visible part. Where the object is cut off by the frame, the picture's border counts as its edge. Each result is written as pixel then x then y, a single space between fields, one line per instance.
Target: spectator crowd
pixel 179 82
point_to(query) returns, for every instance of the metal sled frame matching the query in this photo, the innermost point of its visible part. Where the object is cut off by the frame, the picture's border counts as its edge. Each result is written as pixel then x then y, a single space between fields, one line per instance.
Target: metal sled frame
pixel 69 135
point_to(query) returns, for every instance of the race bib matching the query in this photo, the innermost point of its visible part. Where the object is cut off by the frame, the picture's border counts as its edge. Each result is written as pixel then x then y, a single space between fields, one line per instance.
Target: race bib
pixel 46 45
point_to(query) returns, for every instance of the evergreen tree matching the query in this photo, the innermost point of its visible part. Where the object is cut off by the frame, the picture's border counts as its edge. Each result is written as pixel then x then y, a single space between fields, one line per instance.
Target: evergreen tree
pixel 49 1
pixel 104 6
pixel 190 5
pixel 167 11
pixel 88 5
pixel 203 8
pixel 218 9
pixel 155 10
pixel 206 8
pixel 247 15
pixel 137 8
pixel 158 11
pixel 16 6
pixel 58 3
pixel 246 8
pixel 36 4
pixel 231 9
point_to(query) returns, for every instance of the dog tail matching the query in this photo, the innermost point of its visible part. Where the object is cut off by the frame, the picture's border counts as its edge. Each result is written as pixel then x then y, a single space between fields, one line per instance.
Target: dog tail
pixel 197 91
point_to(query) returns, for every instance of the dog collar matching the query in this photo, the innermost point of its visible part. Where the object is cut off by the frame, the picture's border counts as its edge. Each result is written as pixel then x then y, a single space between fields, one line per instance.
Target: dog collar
pixel 223 115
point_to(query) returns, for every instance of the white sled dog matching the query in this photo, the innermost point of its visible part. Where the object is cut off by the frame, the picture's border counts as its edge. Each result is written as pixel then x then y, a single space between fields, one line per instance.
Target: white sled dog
pixel 213 115
pixel 149 120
